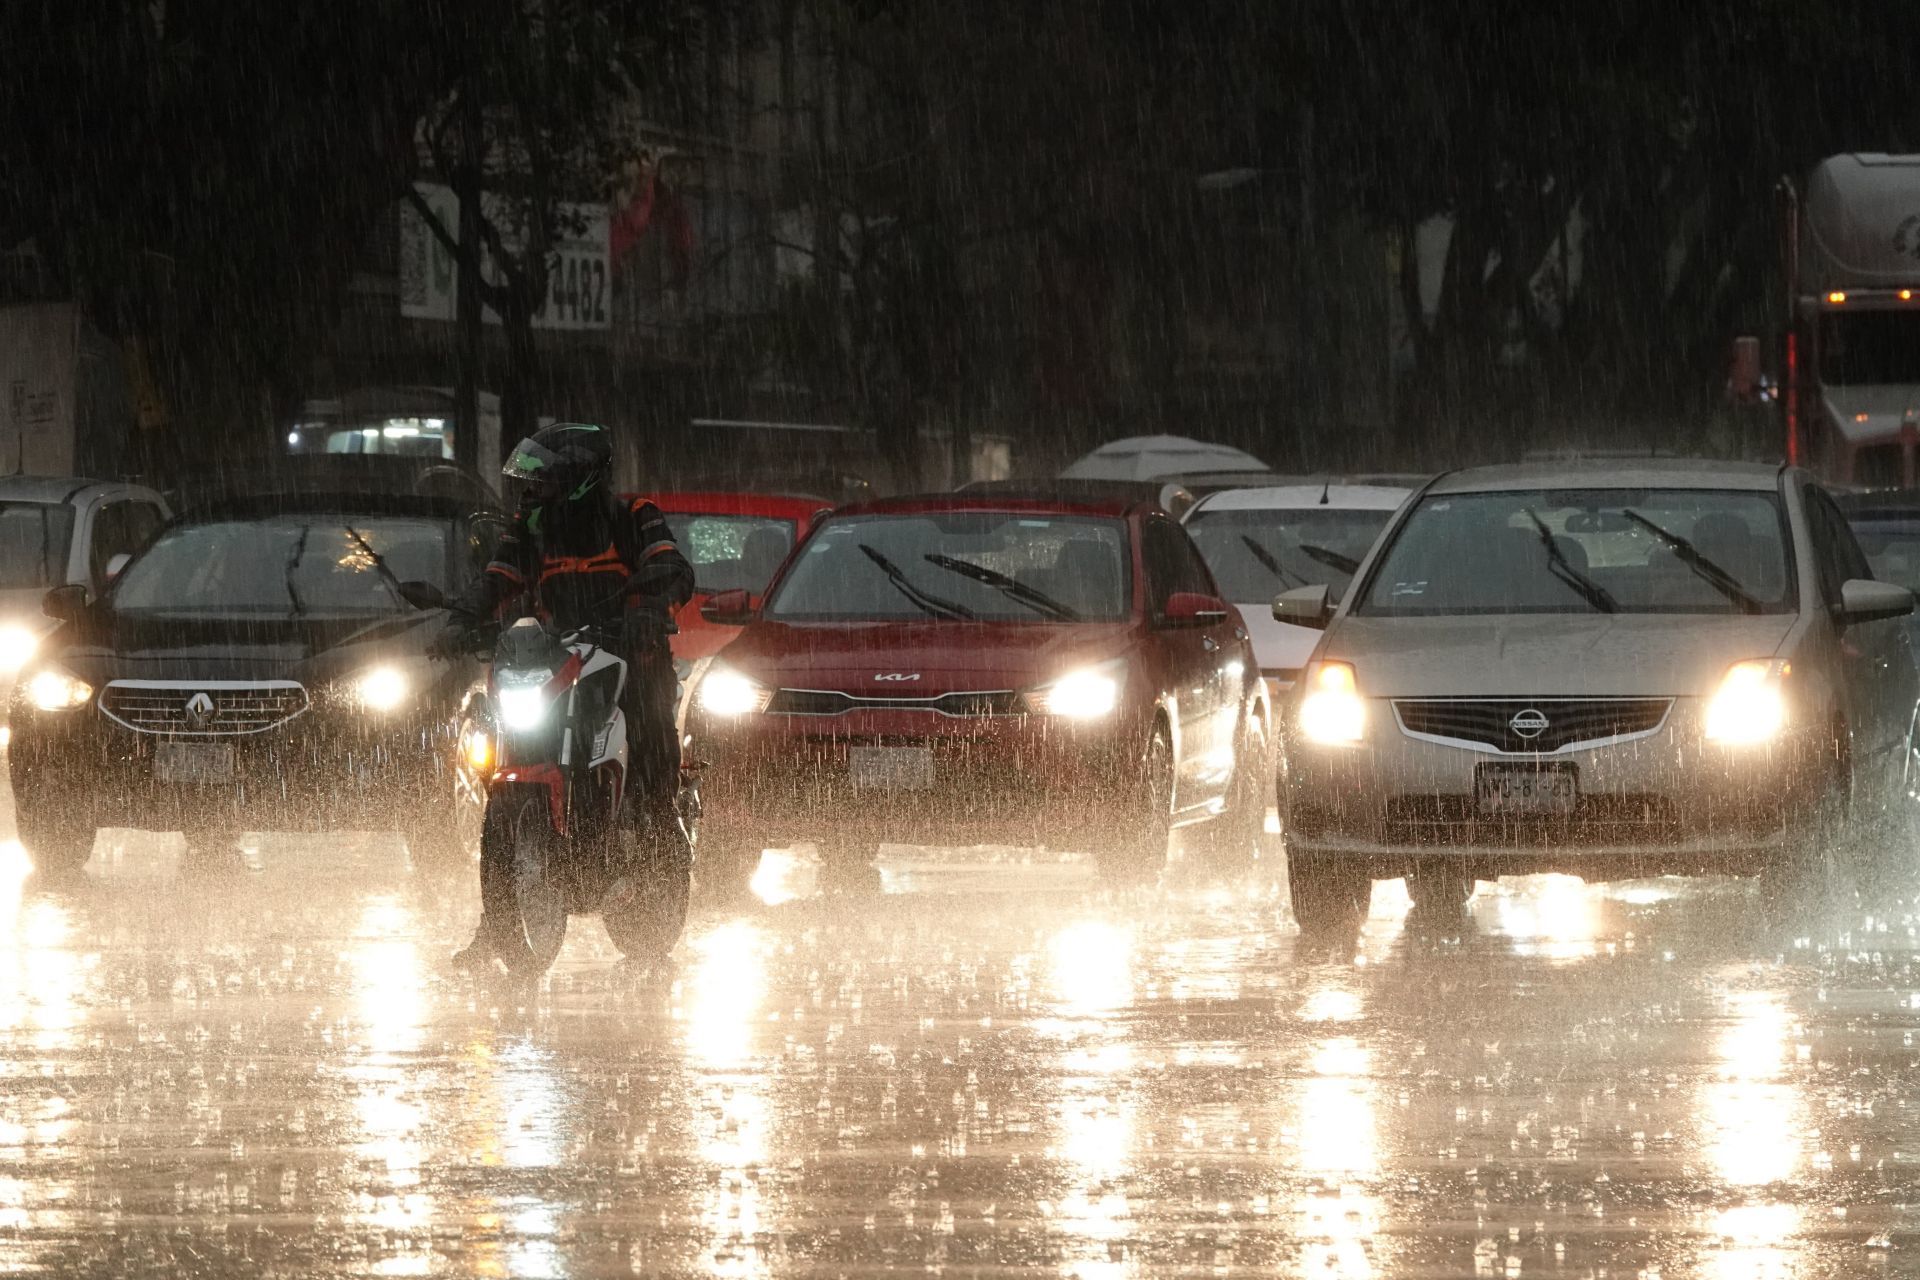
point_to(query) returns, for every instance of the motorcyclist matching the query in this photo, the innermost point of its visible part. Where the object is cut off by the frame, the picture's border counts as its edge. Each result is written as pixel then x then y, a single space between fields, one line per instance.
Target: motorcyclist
pixel 574 553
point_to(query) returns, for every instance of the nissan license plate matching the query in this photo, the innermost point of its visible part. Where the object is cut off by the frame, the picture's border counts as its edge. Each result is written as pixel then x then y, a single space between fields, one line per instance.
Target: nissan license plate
pixel 1525 791
pixel 891 768
pixel 193 762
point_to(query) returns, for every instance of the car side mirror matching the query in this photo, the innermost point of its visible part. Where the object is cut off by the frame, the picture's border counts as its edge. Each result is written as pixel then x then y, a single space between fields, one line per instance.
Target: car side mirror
pixel 423 595
pixel 66 603
pixel 728 608
pixel 1194 609
pixel 1864 600
pixel 118 564
pixel 1304 607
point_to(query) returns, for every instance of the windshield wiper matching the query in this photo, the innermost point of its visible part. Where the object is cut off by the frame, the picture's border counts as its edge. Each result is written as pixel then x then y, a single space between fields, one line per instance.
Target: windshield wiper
pixel 379 563
pixel 931 605
pixel 1332 559
pixel 1562 569
pixel 1034 598
pixel 1271 563
pixel 1706 570
pixel 293 562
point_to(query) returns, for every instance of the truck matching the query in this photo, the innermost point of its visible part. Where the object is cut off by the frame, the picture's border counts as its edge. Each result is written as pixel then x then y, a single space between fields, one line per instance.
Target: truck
pixel 1850 384
pixel 67 405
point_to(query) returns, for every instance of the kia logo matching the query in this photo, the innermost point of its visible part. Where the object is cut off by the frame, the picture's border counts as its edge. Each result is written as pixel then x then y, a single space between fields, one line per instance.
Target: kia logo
pixel 1528 724
pixel 199 711
pixel 898 676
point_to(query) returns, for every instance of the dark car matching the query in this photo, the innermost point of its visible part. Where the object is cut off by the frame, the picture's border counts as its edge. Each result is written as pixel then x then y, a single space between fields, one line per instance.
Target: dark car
pixel 976 669
pixel 256 667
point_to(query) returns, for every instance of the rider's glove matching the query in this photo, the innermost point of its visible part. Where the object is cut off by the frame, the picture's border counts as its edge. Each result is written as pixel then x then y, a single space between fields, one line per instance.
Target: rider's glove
pixel 646 624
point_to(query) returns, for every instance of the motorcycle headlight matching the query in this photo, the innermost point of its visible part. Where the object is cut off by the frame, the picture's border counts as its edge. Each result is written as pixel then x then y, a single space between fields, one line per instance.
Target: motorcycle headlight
pixel 1087 694
pixel 521 706
pixel 1333 712
pixel 51 690
pixel 382 688
pixel 18 644
pixel 725 692
pixel 1750 706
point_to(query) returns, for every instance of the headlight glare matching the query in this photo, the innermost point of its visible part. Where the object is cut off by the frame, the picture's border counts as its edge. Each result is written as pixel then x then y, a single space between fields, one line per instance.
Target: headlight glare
pixel 1087 694
pixel 382 689
pixel 522 706
pixel 1333 711
pixel 57 691
pixel 18 644
pixel 1750 706
pixel 479 750
pixel 727 693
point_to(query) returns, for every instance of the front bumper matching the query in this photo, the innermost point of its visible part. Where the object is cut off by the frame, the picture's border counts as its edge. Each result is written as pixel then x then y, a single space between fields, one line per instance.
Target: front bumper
pixel 327 769
pixel 1022 780
pixel 1665 801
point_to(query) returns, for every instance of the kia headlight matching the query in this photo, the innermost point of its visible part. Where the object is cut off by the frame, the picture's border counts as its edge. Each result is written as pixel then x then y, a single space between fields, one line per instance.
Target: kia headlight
pixel 1091 693
pixel 1332 712
pixel 18 644
pixel 52 690
pixel 726 693
pixel 1750 706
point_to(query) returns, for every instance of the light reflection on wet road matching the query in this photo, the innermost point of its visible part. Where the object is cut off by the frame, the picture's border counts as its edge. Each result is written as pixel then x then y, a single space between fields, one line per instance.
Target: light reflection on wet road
pixel 985 1069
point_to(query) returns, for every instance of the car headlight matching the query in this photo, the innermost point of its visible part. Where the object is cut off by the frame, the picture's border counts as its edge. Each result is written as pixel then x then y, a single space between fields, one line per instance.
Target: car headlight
pixel 1333 710
pixel 382 688
pixel 1087 694
pixel 522 706
pixel 18 644
pixel 51 690
pixel 725 692
pixel 1750 706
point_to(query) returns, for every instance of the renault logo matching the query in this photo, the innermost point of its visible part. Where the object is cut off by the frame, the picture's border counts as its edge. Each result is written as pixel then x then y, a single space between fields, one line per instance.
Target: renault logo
pixel 1528 724
pixel 199 711
pixel 898 675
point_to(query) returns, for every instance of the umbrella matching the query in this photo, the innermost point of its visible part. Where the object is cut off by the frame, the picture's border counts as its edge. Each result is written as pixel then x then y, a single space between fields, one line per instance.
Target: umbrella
pixel 1152 457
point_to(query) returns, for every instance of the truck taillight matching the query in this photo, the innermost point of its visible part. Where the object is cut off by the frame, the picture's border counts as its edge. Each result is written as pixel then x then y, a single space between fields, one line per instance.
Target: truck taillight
pixel 1836 297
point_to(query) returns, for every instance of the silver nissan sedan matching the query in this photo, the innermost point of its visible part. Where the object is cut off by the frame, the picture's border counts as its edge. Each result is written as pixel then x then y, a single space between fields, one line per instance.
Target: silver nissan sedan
pixel 1658 668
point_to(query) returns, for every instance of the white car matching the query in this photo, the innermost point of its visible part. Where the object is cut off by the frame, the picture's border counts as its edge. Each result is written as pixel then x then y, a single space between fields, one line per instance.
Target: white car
pixel 1263 542
pixel 58 531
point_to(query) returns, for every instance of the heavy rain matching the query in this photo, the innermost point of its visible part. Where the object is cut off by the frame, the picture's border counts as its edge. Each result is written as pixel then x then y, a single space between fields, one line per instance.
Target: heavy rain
pixel 795 637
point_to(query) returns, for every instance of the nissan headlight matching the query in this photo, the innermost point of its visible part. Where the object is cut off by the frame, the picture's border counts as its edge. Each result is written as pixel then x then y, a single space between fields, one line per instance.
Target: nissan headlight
pixel 52 690
pixel 382 688
pixel 1750 706
pixel 725 692
pixel 1091 693
pixel 18 644
pixel 1332 712
pixel 521 706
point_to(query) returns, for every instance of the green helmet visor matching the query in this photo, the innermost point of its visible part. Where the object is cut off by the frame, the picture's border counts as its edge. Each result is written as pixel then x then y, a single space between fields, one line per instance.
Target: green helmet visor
pixel 531 461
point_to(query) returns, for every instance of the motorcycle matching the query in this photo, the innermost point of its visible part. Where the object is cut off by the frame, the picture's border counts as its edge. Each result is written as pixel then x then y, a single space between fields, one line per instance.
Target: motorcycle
pixel 564 832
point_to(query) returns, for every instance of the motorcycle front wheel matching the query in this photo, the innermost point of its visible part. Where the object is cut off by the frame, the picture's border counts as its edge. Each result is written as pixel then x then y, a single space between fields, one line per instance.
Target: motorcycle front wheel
pixel 520 894
pixel 646 923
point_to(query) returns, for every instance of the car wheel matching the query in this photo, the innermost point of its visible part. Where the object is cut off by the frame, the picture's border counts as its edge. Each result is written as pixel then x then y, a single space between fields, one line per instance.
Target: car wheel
pixel 723 863
pixel 58 844
pixel 1330 895
pixel 1232 840
pixel 1439 891
pixel 520 895
pixel 1139 855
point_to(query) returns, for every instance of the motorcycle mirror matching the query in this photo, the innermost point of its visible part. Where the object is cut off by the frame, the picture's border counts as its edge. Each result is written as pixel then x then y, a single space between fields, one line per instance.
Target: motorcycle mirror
pixel 422 595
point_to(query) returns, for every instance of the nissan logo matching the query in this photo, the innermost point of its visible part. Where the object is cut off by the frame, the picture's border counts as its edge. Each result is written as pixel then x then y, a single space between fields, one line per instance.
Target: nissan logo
pixel 898 676
pixel 1528 724
pixel 199 711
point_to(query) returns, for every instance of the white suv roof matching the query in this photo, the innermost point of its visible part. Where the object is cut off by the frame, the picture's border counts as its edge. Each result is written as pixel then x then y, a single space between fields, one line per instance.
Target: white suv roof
pixel 1293 497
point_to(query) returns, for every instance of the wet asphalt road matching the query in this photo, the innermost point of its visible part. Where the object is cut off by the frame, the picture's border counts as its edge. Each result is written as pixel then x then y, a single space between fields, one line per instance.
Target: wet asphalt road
pixel 988 1069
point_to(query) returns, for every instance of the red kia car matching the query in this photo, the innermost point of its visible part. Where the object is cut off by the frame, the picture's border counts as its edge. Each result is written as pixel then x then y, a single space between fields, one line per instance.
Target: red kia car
pixel 736 541
pixel 973 669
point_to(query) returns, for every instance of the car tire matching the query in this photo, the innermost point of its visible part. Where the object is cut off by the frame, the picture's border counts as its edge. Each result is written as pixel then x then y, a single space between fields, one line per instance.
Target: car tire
pixel 724 864
pixel 1329 895
pixel 1439 892
pixel 1140 854
pixel 58 844
pixel 520 896
pixel 1232 841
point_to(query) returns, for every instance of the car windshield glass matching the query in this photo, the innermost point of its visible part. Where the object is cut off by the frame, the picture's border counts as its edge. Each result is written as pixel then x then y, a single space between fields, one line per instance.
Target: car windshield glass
pixel 732 553
pixel 1870 348
pixel 984 566
pixel 34 537
pixel 1586 551
pixel 304 565
pixel 1257 554
pixel 1892 548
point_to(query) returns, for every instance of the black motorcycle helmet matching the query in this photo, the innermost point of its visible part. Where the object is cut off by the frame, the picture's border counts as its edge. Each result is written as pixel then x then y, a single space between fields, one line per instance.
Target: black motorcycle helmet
pixel 563 462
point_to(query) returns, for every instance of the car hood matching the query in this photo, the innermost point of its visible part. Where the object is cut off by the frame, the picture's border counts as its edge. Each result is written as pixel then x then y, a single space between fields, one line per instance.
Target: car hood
pixel 200 647
pixel 934 658
pixel 1632 655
